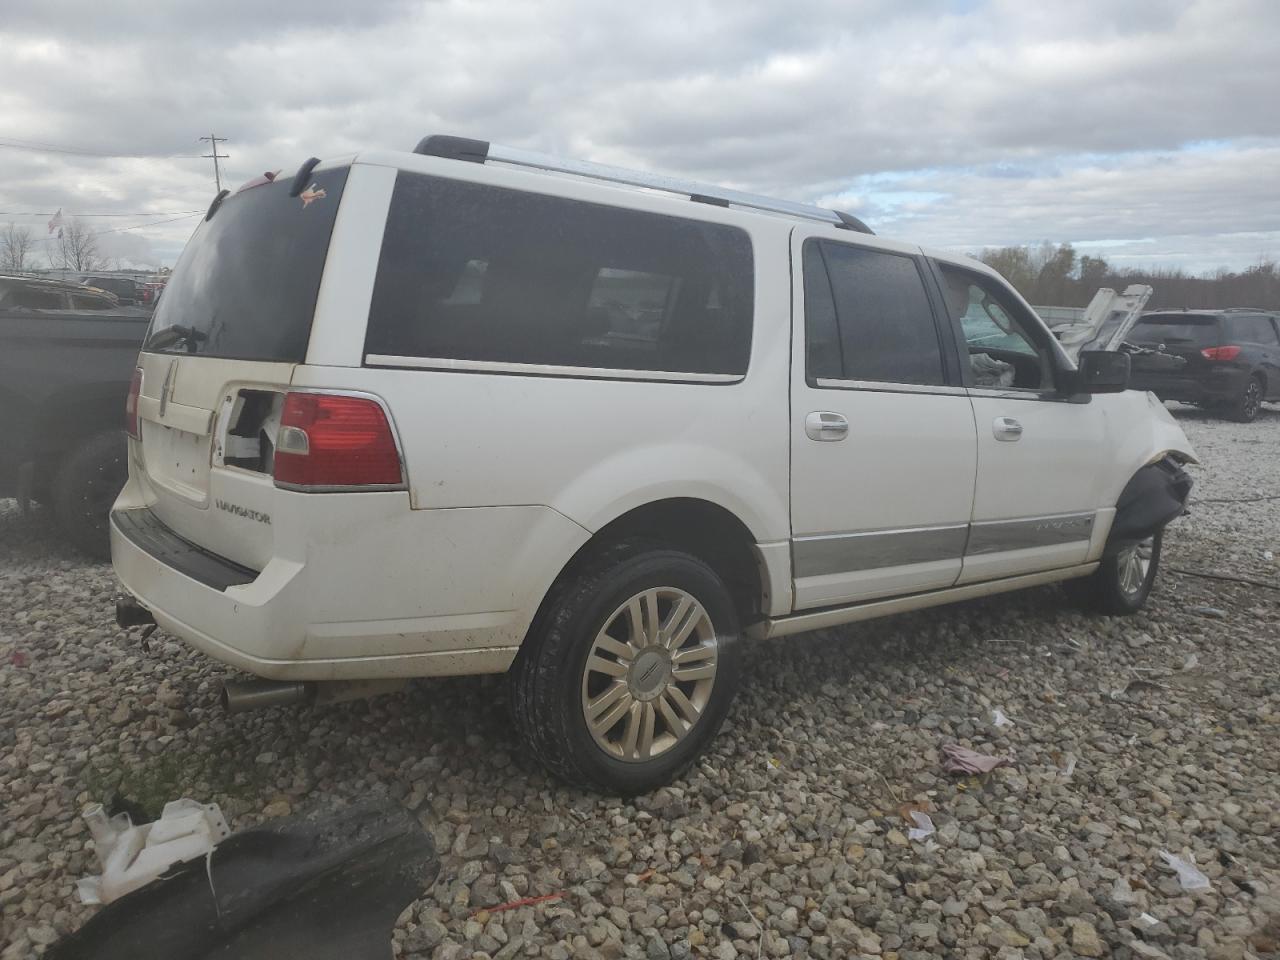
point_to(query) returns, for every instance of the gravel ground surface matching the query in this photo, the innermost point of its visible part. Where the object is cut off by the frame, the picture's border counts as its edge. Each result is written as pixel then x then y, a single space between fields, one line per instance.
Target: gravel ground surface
pixel 788 839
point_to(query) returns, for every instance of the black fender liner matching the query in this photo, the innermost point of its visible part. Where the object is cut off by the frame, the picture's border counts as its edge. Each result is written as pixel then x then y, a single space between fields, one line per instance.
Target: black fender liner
pixel 1154 496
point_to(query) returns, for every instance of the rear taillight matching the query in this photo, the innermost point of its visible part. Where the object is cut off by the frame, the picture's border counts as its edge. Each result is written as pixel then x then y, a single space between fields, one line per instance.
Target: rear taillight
pixel 1220 353
pixel 335 442
pixel 131 404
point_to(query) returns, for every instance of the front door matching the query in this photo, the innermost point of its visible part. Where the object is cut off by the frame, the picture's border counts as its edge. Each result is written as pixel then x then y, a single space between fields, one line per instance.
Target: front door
pixel 1039 482
pixel 883 451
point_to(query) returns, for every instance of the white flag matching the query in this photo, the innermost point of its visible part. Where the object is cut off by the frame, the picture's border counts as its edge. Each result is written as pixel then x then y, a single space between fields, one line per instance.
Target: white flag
pixel 56 222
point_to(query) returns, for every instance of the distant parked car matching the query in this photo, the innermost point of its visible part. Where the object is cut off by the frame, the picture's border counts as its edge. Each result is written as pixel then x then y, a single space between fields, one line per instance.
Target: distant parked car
pixel 151 293
pixel 1230 359
pixel 125 289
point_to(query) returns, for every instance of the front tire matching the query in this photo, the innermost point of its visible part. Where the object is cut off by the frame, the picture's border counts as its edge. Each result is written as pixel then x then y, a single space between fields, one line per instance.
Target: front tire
pixel 85 485
pixel 629 670
pixel 1123 581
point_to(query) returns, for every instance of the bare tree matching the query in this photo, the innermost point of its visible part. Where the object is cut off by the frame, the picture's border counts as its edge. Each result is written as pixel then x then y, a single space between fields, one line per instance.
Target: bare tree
pixel 15 248
pixel 76 248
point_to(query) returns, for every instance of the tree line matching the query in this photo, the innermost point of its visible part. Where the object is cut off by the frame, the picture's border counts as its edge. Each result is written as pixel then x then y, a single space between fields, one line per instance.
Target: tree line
pixel 74 248
pixel 1055 275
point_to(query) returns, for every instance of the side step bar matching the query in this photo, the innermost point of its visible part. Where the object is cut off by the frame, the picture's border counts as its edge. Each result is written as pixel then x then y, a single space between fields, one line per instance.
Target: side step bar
pixel 835 616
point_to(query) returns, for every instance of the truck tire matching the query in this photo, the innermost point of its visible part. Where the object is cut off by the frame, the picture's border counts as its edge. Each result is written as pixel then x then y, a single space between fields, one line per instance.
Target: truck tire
pixel 1122 583
pixel 629 669
pixel 85 485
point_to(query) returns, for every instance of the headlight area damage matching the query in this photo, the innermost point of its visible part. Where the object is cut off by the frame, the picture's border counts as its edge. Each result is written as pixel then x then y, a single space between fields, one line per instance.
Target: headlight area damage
pixel 1155 496
pixel 328 888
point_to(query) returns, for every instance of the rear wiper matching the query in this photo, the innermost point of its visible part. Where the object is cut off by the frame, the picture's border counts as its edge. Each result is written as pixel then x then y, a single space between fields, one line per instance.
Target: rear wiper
pixel 173 335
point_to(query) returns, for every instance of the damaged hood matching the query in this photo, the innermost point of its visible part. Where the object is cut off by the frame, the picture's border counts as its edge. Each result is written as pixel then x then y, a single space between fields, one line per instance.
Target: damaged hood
pixel 1107 320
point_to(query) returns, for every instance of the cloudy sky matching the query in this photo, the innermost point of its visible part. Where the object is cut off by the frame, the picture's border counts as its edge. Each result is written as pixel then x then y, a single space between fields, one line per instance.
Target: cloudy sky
pixel 1144 130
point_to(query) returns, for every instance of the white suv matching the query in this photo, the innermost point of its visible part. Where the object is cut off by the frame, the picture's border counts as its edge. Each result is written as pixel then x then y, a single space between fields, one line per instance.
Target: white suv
pixel 475 410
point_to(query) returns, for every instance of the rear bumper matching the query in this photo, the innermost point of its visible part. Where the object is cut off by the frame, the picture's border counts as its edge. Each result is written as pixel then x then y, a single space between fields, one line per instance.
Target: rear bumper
pixel 1220 385
pixel 407 599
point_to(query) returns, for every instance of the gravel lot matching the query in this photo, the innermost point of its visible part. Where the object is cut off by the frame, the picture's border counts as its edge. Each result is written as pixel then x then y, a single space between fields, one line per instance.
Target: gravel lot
pixel 787 839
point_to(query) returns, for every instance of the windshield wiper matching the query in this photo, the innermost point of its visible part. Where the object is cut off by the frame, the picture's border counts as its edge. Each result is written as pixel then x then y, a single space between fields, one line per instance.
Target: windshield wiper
pixel 175 334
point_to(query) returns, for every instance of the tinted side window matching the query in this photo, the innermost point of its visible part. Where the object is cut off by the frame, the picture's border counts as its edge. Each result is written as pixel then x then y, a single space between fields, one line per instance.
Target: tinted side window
pixel 26 298
pixel 1253 329
pixel 81 302
pixel 473 272
pixel 885 324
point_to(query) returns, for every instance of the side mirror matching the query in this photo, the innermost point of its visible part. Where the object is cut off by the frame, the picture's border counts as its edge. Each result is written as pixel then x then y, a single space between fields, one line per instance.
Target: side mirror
pixel 1102 371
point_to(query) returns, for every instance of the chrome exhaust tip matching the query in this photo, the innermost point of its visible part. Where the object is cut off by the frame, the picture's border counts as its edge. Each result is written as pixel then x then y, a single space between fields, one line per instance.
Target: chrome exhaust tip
pixel 243 696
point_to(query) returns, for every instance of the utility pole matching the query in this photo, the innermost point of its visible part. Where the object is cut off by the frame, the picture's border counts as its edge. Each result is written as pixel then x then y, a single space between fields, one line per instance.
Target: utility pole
pixel 213 142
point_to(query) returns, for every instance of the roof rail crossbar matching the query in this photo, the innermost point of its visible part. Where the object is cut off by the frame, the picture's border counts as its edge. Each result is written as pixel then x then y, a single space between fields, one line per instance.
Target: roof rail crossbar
pixel 478 150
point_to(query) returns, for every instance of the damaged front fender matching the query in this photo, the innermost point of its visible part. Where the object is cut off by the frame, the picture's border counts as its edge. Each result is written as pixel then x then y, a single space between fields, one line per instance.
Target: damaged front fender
pixel 1155 496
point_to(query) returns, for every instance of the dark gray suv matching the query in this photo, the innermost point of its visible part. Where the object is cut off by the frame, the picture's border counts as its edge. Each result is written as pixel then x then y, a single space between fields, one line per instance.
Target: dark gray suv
pixel 1225 360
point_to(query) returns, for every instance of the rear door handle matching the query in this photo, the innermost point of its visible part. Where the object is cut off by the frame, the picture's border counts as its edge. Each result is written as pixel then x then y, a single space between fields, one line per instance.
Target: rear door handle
pixel 824 425
pixel 1006 429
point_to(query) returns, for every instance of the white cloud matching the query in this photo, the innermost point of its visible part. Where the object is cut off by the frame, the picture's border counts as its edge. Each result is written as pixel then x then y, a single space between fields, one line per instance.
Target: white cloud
pixel 1063 121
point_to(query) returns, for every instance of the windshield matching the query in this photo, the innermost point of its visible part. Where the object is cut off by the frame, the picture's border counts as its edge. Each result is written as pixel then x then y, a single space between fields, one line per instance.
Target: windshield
pixel 1176 330
pixel 245 287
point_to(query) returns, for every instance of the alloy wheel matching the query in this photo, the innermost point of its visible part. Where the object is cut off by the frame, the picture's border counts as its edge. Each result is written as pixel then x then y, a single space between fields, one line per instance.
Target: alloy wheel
pixel 649 674
pixel 1132 564
pixel 1252 399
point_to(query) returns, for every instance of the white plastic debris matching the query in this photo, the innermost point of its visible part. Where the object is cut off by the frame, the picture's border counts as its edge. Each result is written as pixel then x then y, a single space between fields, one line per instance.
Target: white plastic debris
pixel 1147 920
pixel 1268 556
pixel 133 856
pixel 923 828
pixel 1188 875
pixel 999 719
pixel 1068 765
pixel 1192 661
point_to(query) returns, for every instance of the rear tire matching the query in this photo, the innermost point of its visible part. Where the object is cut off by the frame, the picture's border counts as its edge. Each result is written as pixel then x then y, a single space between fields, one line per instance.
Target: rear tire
pixel 1244 408
pixel 1122 583
pixel 85 485
pixel 645 643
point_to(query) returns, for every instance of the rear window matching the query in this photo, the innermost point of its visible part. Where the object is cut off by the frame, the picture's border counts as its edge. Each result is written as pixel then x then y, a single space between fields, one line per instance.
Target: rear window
pixel 476 273
pixel 1175 330
pixel 245 287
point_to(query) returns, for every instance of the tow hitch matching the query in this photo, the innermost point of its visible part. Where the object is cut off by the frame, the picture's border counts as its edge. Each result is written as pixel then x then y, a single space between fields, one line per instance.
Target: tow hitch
pixel 130 613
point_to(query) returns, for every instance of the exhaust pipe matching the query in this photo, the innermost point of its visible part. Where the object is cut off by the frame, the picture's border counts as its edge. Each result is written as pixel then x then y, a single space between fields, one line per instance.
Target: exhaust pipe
pixel 243 696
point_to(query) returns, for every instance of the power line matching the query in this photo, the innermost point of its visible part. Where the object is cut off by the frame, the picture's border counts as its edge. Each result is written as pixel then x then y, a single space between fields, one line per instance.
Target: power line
pixel 213 140
pixel 14 143
pixel 136 226
pixel 148 213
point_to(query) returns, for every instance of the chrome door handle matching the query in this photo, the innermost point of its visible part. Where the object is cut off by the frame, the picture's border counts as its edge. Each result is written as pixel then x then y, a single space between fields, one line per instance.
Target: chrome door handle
pixel 1006 429
pixel 823 425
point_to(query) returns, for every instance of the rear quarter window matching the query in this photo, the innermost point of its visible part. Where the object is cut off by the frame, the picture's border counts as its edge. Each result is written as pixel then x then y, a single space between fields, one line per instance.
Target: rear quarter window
pixel 470 272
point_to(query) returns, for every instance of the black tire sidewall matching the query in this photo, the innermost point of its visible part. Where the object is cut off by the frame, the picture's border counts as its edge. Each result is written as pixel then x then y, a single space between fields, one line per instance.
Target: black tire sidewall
pixel 1116 600
pixel 584 612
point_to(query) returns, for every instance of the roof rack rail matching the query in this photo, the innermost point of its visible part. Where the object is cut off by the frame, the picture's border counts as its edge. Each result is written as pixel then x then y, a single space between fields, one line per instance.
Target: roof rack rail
pixel 480 151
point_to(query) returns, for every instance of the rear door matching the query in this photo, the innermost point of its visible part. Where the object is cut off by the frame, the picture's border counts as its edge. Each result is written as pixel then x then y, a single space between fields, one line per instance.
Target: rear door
pixel 883 450
pixel 221 350
pixel 1256 333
